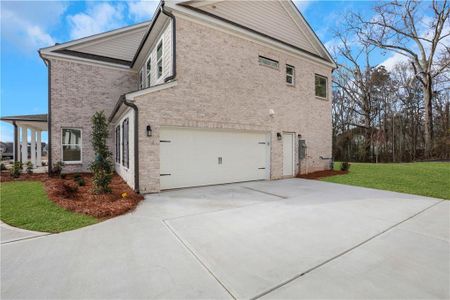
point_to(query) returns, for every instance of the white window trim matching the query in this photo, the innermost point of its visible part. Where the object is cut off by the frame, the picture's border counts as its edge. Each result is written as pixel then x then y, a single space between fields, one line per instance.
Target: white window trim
pixel 262 58
pixel 326 87
pixel 72 162
pixel 293 75
pixel 159 60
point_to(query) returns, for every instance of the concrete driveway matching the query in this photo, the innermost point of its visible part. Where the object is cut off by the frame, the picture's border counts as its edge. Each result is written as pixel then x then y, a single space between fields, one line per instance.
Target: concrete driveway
pixel 281 239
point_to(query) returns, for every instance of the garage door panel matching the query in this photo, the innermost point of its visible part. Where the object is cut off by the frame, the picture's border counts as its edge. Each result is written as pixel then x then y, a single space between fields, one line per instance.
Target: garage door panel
pixel 192 157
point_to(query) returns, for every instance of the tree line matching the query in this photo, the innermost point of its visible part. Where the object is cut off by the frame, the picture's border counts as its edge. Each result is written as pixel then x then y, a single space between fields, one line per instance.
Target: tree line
pixel 401 114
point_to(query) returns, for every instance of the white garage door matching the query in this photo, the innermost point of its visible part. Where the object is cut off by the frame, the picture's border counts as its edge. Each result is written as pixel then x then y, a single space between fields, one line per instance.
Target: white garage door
pixel 194 157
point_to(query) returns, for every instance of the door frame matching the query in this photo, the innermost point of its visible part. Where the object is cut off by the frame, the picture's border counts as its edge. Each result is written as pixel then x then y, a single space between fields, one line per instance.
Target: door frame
pixel 292 134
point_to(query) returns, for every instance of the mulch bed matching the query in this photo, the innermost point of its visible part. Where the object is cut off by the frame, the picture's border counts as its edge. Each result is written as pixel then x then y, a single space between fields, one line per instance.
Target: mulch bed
pixel 6 177
pixel 321 174
pixel 82 200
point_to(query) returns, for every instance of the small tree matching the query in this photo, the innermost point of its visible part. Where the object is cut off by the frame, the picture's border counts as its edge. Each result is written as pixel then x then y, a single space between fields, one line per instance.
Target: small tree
pixel 102 166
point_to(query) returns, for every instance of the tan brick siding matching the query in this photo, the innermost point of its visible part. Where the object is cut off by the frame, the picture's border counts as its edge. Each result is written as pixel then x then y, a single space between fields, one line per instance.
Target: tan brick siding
pixel 78 90
pixel 221 85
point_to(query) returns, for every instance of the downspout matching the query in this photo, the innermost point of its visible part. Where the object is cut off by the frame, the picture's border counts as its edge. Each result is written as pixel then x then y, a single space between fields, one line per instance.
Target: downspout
pixel 136 142
pixel 174 43
pixel 49 114
pixel 16 141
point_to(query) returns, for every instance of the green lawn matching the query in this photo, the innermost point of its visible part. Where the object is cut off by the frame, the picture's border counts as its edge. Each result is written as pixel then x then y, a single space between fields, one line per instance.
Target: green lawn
pixel 25 204
pixel 426 179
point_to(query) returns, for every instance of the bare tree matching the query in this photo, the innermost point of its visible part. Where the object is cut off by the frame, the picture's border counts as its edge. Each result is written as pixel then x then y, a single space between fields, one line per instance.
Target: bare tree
pixel 401 27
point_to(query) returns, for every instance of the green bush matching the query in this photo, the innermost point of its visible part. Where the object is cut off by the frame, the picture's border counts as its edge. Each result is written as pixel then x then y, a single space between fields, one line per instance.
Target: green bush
pixel 80 181
pixel 29 167
pixel 2 167
pixel 16 169
pixel 102 166
pixel 57 169
pixel 345 166
pixel 69 189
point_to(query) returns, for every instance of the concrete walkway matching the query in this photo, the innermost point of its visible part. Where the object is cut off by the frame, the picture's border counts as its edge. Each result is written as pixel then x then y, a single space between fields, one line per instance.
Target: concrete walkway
pixel 282 239
pixel 11 234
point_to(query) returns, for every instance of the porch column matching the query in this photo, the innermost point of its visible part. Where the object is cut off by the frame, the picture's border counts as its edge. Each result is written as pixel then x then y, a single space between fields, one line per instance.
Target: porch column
pixel 33 147
pixel 24 144
pixel 39 146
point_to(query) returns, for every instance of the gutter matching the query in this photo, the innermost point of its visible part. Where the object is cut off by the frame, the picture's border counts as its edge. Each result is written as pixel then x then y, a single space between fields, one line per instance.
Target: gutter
pixel 49 114
pixel 174 43
pixel 123 100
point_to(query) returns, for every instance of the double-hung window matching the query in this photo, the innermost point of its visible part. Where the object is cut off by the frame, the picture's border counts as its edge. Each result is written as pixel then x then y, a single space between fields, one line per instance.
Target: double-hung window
pixel 148 71
pixel 125 143
pixel 321 85
pixel 71 145
pixel 118 144
pixel 141 79
pixel 159 59
pixel 290 75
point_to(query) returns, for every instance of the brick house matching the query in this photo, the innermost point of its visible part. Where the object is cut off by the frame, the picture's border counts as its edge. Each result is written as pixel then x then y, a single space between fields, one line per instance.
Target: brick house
pixel 208 92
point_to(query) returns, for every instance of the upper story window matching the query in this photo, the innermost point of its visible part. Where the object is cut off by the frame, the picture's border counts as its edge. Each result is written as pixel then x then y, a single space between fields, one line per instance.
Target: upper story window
pixel 141 79
pixel 321 84
pixel 290 75
pixel 71 145
pixel 159 56
pixel 148 71
pixel 264 61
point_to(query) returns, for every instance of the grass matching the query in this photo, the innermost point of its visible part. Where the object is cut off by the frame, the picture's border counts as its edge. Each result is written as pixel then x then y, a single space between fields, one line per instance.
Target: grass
pixel 25 205
pixel 425 178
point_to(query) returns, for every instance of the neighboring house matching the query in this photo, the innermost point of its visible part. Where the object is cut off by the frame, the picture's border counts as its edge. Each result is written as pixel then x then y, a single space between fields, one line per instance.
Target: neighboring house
pixel 207 93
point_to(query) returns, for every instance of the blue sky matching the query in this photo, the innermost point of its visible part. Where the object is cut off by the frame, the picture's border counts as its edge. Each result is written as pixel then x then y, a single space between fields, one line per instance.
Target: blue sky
pixel 27 26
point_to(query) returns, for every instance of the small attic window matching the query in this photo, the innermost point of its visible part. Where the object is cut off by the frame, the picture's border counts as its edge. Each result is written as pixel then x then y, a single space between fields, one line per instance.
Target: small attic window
pixel 271 63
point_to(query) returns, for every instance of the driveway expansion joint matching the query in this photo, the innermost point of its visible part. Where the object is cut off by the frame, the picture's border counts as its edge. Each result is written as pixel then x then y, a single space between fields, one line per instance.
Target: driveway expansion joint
pixel 263 192
pixel 26 238
pixel 344 252
pixel 192 252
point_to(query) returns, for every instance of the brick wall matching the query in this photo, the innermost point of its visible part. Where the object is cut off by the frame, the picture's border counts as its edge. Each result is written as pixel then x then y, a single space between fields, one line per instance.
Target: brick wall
pixel 78 90
pixel 220 84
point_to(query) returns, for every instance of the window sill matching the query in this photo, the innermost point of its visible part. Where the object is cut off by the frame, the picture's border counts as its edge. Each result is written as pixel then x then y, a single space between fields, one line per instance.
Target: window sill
pixel 73 163
pixel 321 98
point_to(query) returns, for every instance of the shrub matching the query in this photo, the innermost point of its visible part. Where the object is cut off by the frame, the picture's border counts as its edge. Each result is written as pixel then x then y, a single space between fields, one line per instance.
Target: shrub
pixel 69 189
pixel 80 181
pixel 57 168
pixel 345 166
pixel 77 176
pixel 102 166
pixel 2 167
pixel 16 169
pixel 29 167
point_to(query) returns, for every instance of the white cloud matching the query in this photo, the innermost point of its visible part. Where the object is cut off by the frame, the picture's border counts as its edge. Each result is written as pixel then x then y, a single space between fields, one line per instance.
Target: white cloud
pixel 302 5
pixel 26 24
pixel 97 18
pixel 393 60
pixel 142 10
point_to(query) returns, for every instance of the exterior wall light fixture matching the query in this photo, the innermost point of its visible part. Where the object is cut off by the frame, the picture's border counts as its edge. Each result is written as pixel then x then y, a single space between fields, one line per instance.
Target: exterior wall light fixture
pixel 279 136
pixel 149 131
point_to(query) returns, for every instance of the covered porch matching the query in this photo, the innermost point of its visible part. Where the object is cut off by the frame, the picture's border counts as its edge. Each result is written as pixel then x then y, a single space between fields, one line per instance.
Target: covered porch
pixel 35 125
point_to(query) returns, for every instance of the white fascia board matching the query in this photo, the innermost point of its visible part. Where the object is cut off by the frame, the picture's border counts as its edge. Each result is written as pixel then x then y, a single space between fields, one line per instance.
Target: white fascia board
pixel 86 61
pixel 217 24
pixel 94 37
pixel 152 89
pixel 298 15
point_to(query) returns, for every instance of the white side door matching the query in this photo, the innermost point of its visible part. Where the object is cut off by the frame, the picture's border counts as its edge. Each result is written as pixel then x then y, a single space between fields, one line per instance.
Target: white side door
pixel 288 154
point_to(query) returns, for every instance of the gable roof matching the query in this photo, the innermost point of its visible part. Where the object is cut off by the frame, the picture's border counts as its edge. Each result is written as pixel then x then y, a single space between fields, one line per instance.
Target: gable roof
pixel 115 47
pixel 279 20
